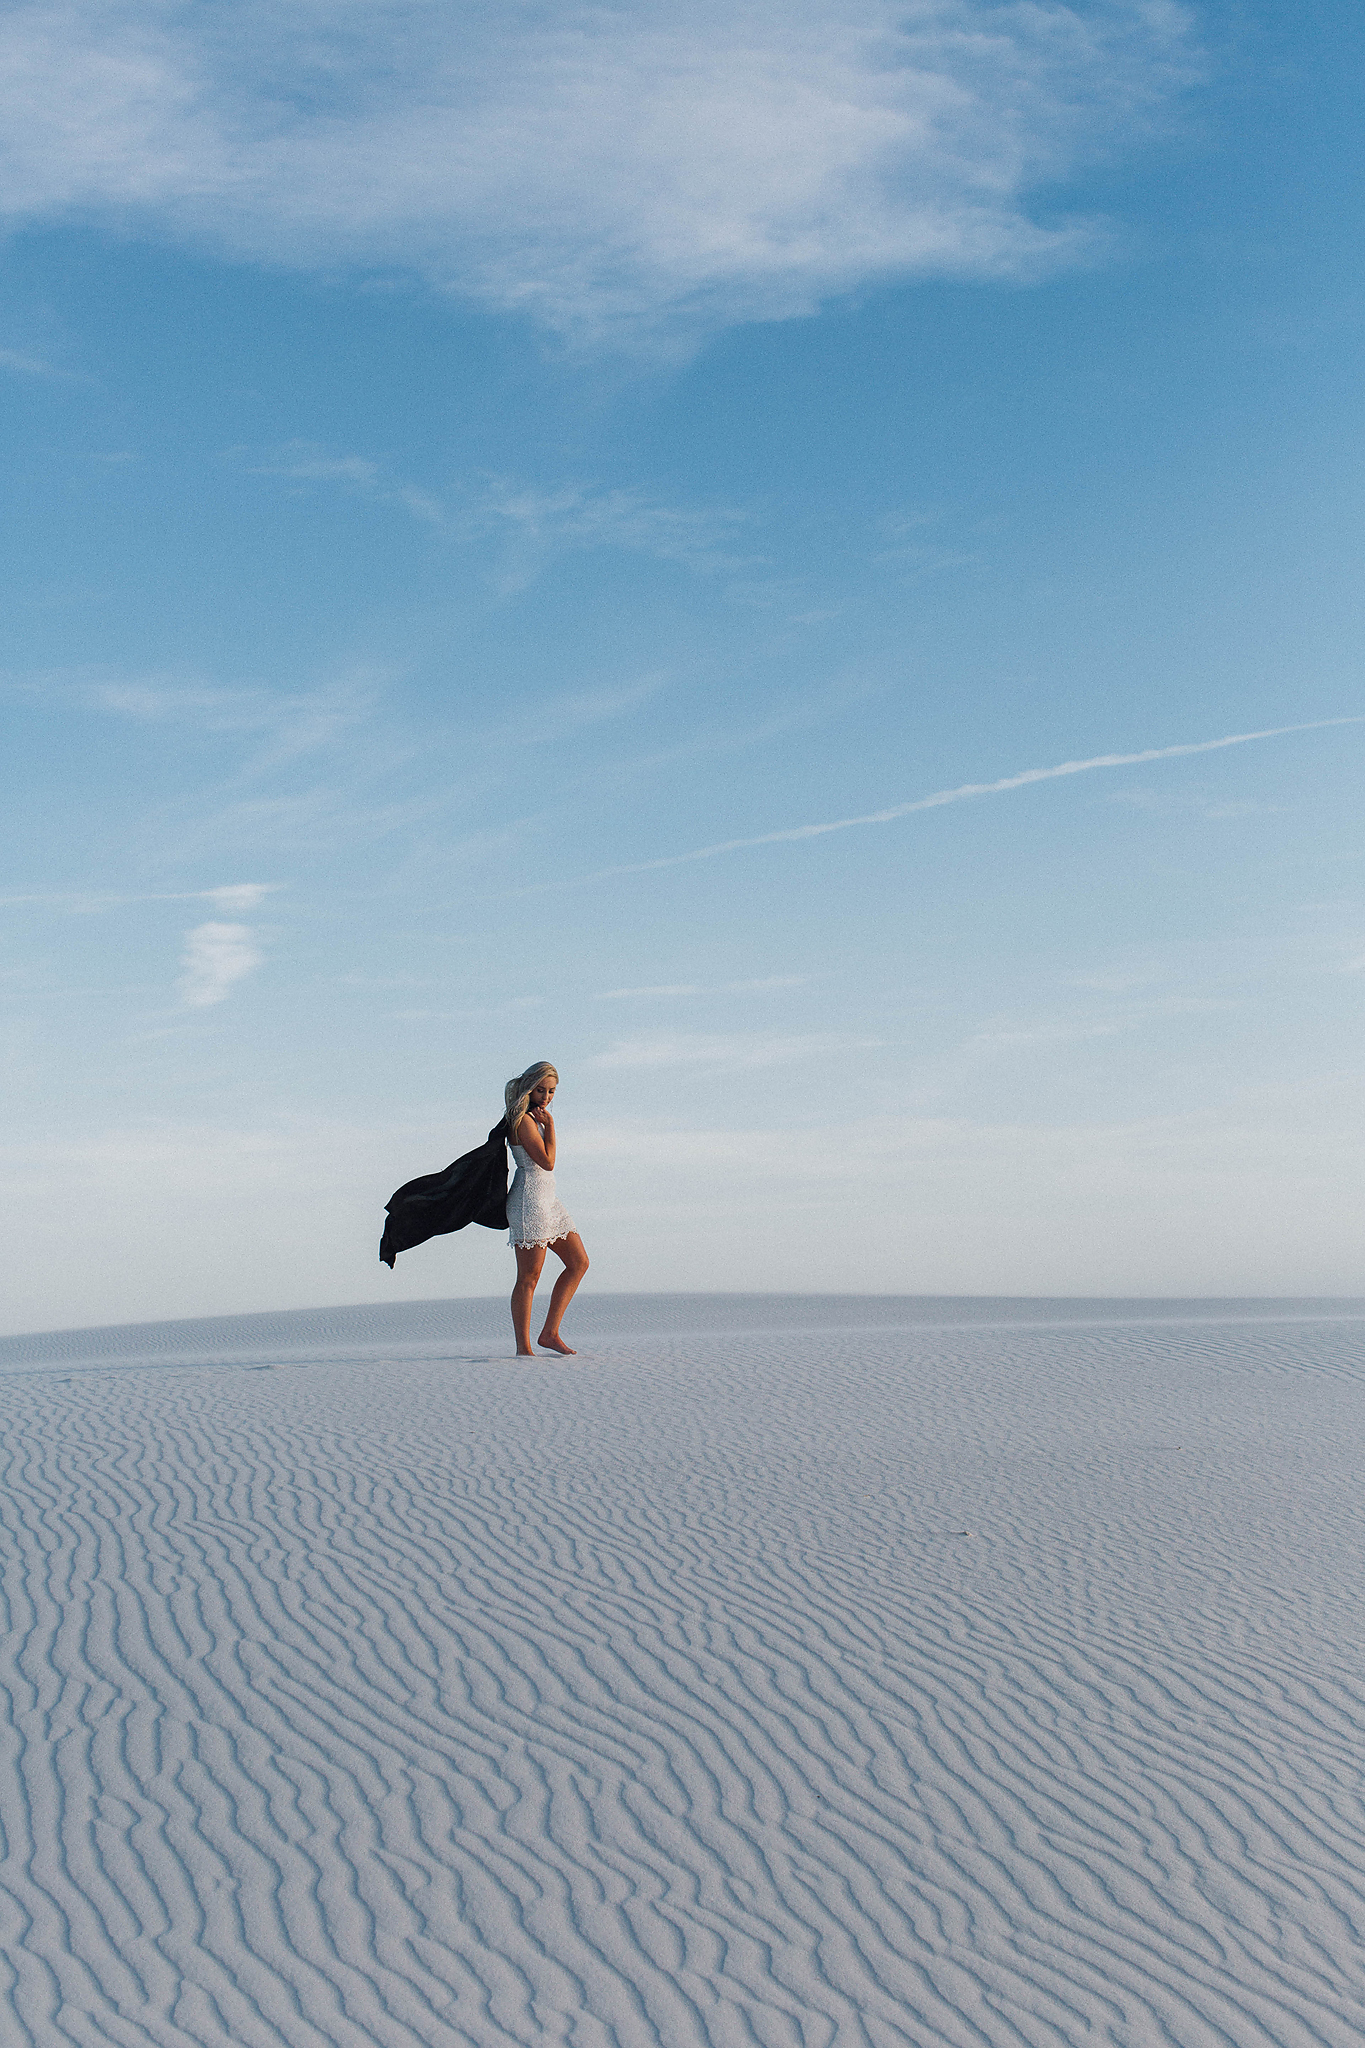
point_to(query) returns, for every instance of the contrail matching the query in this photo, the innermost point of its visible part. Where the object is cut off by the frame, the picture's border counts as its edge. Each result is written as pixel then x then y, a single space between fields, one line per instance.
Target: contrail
pixel 238 896
pixel 962 792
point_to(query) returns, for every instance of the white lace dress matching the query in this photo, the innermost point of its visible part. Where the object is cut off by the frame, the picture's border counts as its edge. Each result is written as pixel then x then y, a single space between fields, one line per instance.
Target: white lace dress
pixel 535 1214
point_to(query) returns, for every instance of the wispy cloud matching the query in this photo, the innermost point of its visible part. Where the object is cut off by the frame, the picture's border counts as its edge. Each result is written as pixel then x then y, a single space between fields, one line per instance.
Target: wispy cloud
pixel 534 522
pixel 1118 981
pixel 962 793
pixel 801 709
pixel 287 724
pixel 1139 1012
pixel 216 958
pixel 1060 1031
pixel 300 463
pixel 297 768
pixel 1196 803
pixel 605 170
pixel 241 896
pixel 254 765
pixel 664 988
pixel 915 540
pixel 549 718
pixel 232 897
pixel 586 516
pixel 594 707
pixel 24 365
pixel 734 1049
pixel 698 988
pixel 528 522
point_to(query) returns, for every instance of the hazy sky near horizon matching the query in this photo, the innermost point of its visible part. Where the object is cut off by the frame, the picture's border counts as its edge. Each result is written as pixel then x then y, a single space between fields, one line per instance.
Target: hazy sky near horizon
pixel 483 486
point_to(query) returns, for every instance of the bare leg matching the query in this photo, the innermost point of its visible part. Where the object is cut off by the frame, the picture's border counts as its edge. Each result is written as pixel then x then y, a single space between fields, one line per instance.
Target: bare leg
pixel 575 1261
pixel 530 1259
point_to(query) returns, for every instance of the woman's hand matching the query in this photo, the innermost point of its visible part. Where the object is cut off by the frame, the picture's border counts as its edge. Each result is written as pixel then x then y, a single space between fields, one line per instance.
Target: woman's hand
pixel 536 1137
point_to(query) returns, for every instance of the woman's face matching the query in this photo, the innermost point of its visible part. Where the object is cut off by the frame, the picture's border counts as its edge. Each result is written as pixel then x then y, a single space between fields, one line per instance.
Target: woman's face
pixel 542 1095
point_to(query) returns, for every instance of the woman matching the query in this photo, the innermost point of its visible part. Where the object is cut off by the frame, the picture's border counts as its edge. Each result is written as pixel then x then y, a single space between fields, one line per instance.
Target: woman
pixel 537 1219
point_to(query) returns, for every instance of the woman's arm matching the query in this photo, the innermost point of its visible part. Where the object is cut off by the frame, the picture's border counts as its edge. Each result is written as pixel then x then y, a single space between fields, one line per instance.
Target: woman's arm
pixel 536 1136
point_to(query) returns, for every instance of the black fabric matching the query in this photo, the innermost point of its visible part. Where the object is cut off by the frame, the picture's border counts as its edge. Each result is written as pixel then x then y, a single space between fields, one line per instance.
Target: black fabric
pixel 471 1190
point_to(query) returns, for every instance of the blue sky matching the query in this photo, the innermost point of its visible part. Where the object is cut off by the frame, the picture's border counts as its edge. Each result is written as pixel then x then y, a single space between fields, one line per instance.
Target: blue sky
pixel 458 462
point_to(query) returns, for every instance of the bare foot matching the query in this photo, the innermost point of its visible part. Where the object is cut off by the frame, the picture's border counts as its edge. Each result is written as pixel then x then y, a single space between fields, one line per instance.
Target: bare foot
pixel 527 1354
pixel 556 1343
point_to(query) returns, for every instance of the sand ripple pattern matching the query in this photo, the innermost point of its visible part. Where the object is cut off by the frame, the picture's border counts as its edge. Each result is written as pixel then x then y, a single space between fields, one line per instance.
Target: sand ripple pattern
pixel 994 1686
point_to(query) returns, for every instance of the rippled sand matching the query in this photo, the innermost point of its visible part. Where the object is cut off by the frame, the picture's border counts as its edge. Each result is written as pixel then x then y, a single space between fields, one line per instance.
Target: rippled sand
pixel 778 1674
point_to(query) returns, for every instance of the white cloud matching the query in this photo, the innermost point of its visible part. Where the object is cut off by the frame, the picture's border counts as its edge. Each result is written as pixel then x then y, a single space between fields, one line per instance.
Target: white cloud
pixel 287 724
pixel 240 896
pixel 665 988
pixel 1253 1196
pixel 594 707
pixel 535 520
pixel 1060 1031
pixel 720 1049
pixel 601 169
pixel 216 958
pixel 304 462
pixel 697 988
pixel 232 896
pixel 915 540
pixel 24 366
pixel 188 1217
pixel 1193 802
pixel 1245 1198
pixel 546 719
pixel 1118 981
pixel 965 792
pixel 285 767
pixel 530 524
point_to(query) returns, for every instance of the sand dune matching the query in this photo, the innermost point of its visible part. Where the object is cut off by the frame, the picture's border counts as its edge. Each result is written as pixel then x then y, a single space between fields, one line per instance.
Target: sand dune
pixel 789 1676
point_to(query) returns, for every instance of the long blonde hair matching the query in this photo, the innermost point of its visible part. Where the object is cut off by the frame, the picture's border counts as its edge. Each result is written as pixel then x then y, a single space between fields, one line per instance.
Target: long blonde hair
pixel 517 1094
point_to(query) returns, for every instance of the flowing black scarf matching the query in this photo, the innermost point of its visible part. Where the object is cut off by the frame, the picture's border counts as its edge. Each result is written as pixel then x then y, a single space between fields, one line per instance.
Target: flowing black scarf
pixel 471 1190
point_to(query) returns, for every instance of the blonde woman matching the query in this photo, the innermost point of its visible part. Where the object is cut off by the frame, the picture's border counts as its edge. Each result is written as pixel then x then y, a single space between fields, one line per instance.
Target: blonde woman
pixel 537 1220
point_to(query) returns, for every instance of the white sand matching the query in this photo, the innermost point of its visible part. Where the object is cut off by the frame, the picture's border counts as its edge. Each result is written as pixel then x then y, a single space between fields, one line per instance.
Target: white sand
pixel 989 1678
